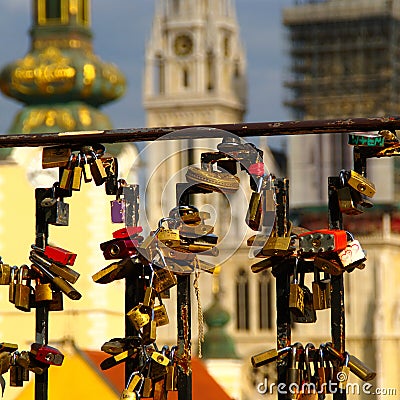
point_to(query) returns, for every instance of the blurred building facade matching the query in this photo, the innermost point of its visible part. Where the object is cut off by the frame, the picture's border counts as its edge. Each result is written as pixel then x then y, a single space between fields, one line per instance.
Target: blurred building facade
pixel 344 63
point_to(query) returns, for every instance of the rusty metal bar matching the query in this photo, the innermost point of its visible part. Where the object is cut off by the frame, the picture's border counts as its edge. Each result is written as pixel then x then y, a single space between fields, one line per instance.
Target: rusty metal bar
pixel 278 128
pixel 42 310
pixel 338 320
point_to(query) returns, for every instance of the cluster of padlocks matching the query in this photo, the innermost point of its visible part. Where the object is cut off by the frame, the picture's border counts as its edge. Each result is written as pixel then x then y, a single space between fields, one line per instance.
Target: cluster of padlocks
pixel 294 252
pixel 314 371
pixel 38 359
pixel 172 248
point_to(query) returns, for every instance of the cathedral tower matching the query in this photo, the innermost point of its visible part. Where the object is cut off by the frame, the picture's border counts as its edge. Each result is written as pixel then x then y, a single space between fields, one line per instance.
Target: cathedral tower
pixel 195 65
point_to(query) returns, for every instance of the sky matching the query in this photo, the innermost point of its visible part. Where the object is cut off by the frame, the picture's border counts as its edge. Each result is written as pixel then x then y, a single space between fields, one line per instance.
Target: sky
pixel 121 29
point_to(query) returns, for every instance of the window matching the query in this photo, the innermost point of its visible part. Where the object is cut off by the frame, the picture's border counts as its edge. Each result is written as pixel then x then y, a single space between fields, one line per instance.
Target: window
pixel 159 75
pixel 210 71
pixel 242 300
pixel 265 306
pixel 185 77
pixel 84 11
pixel 52 11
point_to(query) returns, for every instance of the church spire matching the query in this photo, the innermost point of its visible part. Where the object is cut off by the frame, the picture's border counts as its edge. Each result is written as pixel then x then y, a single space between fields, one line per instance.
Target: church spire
pixel 195 70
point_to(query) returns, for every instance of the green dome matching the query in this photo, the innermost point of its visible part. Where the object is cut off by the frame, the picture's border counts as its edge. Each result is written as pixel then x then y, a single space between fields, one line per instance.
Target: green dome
pixel 217 342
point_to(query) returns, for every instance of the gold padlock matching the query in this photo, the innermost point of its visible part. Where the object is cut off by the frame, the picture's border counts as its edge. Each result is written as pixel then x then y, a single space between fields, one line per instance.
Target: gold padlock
pixel 139 316
pixel 170 237
pixel 360 183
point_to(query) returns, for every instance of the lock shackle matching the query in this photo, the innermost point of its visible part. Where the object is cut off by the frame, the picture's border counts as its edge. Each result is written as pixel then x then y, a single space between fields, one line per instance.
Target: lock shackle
pixel 350 236
pixel 295 347
pixel 20 273
pixel 346 359
pixel 164 349
pixel 321 350
pixel 295 271
pixel 164 219
pixel 309 346
pixel 172 353
pixel 78 159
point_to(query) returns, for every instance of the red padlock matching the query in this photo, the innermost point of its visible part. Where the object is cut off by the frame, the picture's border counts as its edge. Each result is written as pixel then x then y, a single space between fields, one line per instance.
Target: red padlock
pixel 127 232
pixel 119 248
pixel 60 255
pixel 322 241
pixel 47 354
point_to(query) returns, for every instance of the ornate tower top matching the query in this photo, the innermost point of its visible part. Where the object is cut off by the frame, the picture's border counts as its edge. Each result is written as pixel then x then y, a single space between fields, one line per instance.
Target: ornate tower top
pixel 60 79
pixel 195 64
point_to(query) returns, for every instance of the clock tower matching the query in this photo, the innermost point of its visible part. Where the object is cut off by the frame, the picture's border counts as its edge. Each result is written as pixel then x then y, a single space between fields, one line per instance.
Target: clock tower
pixel 195 64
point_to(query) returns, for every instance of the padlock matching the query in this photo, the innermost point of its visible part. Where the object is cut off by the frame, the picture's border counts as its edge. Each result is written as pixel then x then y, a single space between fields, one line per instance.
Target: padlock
pixel 353 255
pixel 118 359
pixel 111 167
pixel 57 303
pixel 43 291
pixel 16 378
pixel 268 356
pixel 119 248
pixel 170 237
pixel 321 292
pixel 296 295
pixel 269 262
pixel 5 362
pixel 117 270
pixel 117 210
pixel 87 175
pixel 47 354
pixel 99 174
pixel 67 173
pixel 163 278
pixel 64 272
pixel 347 205
pixel 41 265
pixel 147 388
pixel 22 291
pixel 8 347
pixel 356 366
pixel 57 212
pixel 322 241
pixel 255 209
pixel 139 316
pixel 213 180
pixel 309 315
pixel 5 274
pixel 77 173
pixel 293 371
pixel 277 245
pixel 369 140
pixel 127 232
pixel 360 183
pixel 55 156
pixel 134 385
pixel 11 287
pixel 329 264
pixel 59 255
pixel 160 314
pixel 118 345
pixel 171 378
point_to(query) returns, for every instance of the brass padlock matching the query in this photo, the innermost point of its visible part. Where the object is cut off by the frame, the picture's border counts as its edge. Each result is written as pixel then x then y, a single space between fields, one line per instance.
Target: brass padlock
pixel 360 183
pixel 170 237
pixel 22 292
pixel 149 331
pixel 278 245
pixel 346 203
pixel 57 302
pixel 296 296
pixel 55 156
pixel 5 274
pixel 329 264
pixel 87 174
pixel 309 315
pixel 321 290
pixel 43 291
pixel 163 279
pixel 161 315
pixel 11 287
pixel 139 316
pixel 66 176
pixel 77 174
pixel 97 169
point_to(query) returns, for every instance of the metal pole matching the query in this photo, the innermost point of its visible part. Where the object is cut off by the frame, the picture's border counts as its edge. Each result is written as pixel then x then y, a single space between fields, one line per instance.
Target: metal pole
pixel 338 325
pixel 278 128
pixel 42 310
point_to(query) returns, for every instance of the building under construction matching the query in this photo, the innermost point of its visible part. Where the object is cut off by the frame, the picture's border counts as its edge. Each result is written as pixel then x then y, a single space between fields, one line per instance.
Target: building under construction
pixel 344 62
pixel 345 58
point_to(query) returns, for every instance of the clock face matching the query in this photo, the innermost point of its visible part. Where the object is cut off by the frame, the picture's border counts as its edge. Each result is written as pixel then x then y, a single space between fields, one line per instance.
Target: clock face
pixel 183 45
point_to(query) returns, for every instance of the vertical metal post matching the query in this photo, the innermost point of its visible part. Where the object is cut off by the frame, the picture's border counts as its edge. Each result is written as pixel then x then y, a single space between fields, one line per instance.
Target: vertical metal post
pixel 42 310
pixel 337 282
pixel 134 285
pixel 283 316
